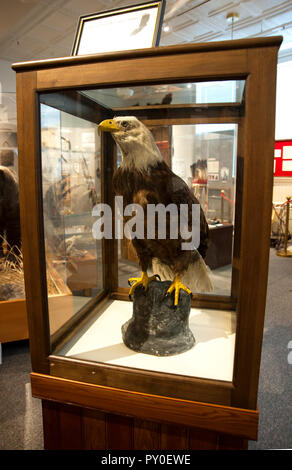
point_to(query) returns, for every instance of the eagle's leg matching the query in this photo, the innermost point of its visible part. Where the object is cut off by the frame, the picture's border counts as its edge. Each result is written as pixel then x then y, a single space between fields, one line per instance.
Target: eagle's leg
pixel 140 281
pixel 175 286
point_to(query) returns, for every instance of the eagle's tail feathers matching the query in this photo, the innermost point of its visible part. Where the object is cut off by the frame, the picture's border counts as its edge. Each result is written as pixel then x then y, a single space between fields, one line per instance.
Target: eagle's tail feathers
pixel 196 277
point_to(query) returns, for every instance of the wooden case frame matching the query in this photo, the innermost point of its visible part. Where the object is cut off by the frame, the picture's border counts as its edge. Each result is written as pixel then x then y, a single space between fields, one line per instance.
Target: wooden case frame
pixel 255 61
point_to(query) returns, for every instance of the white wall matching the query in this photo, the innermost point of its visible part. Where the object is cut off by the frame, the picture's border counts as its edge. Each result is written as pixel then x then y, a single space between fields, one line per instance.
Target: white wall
pixel 184 150
pixel 7 97
pixel 7 77
pixel 282 189
pixel 283 186
pixel 284 101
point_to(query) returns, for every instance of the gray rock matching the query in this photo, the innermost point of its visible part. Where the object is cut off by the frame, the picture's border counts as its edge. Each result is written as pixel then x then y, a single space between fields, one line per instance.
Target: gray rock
pixel 157 327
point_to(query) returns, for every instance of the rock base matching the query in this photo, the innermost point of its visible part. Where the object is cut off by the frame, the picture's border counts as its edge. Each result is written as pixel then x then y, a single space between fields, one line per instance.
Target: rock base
pixel 157 327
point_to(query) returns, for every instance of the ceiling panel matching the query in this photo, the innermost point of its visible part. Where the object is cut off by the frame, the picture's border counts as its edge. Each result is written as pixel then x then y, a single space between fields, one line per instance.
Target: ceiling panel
pixel 13 11
pixel 59 21
pixel 36 29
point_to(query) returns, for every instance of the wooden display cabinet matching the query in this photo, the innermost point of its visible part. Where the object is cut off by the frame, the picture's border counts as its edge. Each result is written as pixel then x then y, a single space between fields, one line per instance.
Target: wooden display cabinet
pixel 90 402
pixel 13 320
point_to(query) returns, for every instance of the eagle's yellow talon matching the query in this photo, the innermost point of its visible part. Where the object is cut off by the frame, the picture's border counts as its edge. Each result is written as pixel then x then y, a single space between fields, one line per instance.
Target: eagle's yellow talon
pixel 175 286
pixel 138 281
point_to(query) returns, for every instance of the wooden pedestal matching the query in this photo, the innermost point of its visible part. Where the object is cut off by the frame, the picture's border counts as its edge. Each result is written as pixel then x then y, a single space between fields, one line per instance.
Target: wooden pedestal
pixel 69 427
pixel 78 415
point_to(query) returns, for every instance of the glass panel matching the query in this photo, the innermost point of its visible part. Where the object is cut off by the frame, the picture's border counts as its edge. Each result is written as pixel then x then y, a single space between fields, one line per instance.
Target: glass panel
pixel 11 265
pixel 71 188
pixel 204 156
pixel 228 91
pixel 195 128
pixel 220 92
pixel 208 167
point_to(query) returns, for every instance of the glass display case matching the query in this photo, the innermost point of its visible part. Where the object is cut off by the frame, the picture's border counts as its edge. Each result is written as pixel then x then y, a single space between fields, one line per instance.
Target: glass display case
pixel 210 109
pixel 71 186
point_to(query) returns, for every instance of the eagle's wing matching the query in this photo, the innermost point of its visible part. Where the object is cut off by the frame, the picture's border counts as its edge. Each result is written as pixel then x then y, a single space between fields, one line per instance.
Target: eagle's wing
pixel 166 255
pixel 180 193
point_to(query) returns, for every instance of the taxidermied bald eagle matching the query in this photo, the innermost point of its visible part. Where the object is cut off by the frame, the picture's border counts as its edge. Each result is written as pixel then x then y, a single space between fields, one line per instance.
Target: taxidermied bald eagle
pixel 144 178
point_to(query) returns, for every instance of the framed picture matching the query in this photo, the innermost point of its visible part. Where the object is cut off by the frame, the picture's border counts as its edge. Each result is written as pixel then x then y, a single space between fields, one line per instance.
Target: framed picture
pixel 133 27
pixel 283 158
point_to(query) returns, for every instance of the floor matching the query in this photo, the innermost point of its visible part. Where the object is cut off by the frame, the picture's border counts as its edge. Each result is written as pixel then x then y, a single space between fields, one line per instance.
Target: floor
pixel 275 398
pixel 20 414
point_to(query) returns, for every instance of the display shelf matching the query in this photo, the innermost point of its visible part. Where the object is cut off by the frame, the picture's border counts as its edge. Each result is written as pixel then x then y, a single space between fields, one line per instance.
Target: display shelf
pixel 211 357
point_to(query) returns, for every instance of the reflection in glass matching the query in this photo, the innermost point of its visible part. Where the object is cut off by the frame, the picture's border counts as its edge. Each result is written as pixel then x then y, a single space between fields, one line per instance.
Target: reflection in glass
pixel 226 91
pixel 11 264
pixel 71 188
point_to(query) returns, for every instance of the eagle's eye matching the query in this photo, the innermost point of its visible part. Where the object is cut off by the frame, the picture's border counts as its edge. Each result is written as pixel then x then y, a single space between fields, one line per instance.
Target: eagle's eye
pixel 125 124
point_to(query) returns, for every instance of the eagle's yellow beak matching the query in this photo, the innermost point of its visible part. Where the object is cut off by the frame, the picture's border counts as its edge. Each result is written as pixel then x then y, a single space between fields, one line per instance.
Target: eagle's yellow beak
pixel 108 125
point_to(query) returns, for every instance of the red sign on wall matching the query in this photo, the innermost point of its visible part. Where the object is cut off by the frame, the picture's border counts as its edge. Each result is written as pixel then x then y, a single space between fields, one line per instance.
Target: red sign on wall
pixel 283 158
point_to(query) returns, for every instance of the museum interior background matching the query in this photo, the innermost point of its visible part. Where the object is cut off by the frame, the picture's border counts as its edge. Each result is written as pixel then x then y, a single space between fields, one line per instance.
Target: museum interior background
pixel 33 30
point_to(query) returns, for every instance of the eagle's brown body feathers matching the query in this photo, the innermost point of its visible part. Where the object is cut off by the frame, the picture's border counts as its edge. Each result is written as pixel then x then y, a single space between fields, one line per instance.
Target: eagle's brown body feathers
pixel 160 185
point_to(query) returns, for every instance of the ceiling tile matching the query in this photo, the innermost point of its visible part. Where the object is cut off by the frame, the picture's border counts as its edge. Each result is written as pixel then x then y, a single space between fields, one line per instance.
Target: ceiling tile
pixel 46 28
pixel 59 21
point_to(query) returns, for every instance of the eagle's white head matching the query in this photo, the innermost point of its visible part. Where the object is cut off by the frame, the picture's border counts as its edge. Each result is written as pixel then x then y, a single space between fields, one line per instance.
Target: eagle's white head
pixel 136 142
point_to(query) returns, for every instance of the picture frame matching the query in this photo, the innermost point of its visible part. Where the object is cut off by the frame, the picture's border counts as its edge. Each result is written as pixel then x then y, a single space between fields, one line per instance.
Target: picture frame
pixel 134 27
